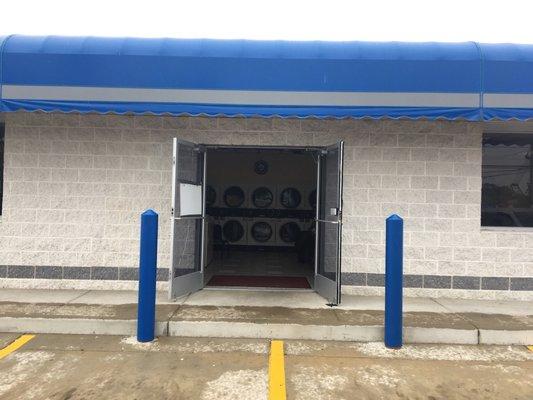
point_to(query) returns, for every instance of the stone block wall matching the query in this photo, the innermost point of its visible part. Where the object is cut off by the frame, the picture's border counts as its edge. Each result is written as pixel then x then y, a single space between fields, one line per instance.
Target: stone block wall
pixel 76 184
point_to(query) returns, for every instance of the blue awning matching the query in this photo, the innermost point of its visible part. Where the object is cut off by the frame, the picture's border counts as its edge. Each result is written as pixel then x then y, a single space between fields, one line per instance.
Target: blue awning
pixel 267 78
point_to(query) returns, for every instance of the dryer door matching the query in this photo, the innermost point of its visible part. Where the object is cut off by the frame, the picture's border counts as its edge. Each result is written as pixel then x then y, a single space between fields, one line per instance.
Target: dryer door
pixel 329 223
pixel 188 218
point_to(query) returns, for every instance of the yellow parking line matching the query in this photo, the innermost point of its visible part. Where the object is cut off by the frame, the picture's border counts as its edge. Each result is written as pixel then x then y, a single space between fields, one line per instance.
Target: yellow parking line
pixel 276 372
pixel 17 344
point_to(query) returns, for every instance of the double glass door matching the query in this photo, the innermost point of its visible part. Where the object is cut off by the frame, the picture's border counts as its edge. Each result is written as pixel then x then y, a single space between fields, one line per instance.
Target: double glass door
pixel 189 220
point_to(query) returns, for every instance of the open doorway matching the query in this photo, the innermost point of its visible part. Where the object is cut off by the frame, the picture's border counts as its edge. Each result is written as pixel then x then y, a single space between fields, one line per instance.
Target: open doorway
pixel 249 216
pixel 261 208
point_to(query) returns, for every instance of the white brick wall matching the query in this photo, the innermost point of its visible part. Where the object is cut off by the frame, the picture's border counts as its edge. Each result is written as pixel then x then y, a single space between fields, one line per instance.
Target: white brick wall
pixel 75 186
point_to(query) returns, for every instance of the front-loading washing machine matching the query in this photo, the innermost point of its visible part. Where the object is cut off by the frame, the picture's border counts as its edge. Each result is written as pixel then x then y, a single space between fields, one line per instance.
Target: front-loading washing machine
pixel 310 199
pixel 234 196
pixel 262 232
pixel 235 230
pixel 262 197
pixel 289 230
pixel 291 197
pixel 212 195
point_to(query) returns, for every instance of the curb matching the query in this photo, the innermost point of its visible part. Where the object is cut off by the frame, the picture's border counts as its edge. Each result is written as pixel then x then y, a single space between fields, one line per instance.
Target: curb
pixel 439 335
pixel 75 326
pixel 489 336
pixel 224 329
pixel 249 330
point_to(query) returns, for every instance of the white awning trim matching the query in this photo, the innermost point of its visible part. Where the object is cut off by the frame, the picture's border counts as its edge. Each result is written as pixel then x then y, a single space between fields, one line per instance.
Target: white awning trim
pixel 241 97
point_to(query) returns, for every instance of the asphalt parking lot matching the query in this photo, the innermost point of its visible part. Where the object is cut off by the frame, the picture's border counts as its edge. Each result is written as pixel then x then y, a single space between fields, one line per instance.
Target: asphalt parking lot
pixel 112 367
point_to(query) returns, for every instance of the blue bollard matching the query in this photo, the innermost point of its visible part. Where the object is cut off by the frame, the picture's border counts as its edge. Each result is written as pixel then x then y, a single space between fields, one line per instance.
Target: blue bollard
pixel 147 277
pixel 393 281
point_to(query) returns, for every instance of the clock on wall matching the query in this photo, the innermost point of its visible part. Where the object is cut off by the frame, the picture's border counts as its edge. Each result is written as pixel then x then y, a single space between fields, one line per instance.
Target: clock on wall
pixel 261 167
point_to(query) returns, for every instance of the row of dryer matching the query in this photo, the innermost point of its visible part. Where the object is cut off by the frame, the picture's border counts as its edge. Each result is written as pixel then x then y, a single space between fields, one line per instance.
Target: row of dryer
pixel 261 197
pixel 259 231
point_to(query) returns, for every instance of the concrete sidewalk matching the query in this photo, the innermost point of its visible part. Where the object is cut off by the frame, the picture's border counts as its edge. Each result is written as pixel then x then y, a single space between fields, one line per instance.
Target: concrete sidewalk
pixel 267 314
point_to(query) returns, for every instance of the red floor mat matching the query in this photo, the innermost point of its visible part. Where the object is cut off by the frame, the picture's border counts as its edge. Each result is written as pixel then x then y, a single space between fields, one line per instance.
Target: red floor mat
pixel 288 282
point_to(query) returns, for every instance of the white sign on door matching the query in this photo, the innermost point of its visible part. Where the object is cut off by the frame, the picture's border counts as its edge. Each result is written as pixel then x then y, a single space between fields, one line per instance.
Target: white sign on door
pixel 190 199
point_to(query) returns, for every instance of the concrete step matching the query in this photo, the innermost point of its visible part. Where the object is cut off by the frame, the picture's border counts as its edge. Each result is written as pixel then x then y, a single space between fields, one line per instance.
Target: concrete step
pixel 266 322
pixel 317 324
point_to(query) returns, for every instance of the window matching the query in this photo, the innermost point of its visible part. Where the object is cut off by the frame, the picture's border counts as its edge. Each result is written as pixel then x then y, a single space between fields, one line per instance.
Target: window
pixel 506 194
pixel 1 165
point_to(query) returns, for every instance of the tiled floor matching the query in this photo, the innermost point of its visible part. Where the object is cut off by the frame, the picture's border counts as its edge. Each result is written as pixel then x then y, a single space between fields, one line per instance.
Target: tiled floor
pixel 260 264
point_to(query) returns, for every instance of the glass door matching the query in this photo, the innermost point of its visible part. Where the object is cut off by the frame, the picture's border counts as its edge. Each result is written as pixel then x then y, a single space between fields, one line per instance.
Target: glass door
pixel 188 218
pixel 329 223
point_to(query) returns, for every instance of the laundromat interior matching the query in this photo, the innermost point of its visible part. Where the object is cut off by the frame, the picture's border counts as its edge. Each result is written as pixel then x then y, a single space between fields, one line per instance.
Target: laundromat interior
pixel 260 211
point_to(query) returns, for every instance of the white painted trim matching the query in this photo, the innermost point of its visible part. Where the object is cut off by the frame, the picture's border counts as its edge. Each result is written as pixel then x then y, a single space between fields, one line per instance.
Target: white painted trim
pixel 241 97
pixel 507 100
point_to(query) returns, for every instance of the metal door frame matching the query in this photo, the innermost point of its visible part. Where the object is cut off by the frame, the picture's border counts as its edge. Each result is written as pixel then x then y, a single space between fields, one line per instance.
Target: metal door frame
pixel 323 284
pixel 317 214
pixel 195 280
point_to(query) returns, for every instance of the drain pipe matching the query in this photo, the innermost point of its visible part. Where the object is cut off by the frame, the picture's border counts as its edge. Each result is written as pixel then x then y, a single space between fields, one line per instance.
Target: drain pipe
pixel 394 282
pixel 147 277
